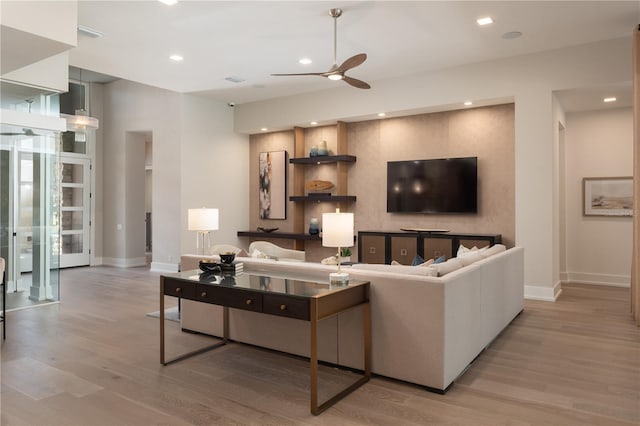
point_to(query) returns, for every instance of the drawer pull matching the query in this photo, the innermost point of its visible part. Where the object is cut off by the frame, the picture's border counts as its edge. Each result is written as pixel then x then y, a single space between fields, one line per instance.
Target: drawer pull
pixel 248 302
pixel 203 294
pixel 178 289
pixel 283 307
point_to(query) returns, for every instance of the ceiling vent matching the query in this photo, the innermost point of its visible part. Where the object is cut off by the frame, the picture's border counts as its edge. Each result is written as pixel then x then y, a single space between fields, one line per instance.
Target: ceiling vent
pixel 234 79
pixel 89 32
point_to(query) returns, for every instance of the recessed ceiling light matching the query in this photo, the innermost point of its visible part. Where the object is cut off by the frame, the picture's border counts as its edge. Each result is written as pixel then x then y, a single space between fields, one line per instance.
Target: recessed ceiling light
pixel 314 123
pixel 511 35
pixel 381 114
pixel 176 58
pixel 168 2
pixel 485 21
pixel 264 129
pixel 305 61
pixel 335 77
pixel 611 99
pixel 468 103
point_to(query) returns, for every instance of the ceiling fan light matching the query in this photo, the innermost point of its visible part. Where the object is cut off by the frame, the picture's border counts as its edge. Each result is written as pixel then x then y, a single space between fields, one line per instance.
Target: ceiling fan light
pixel 335 77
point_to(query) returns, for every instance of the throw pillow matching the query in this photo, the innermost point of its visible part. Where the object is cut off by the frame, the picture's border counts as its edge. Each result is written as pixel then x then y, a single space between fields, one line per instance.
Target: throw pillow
pixel 441 259
pixel 427 263
pixel 418 260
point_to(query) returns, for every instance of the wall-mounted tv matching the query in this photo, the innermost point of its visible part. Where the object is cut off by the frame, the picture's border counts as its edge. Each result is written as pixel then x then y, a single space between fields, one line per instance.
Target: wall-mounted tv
pixel 445 185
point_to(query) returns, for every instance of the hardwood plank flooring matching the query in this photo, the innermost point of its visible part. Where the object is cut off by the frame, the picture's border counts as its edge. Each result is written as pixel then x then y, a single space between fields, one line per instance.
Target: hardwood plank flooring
pixel 93 360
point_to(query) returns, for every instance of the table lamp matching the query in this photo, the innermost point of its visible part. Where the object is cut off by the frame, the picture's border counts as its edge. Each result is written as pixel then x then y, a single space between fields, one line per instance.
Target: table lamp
pixel 204 221
pixel 337 231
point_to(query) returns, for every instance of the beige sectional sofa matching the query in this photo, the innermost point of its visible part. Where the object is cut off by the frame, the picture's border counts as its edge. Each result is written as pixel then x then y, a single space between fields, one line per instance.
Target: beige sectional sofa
pixel 425 329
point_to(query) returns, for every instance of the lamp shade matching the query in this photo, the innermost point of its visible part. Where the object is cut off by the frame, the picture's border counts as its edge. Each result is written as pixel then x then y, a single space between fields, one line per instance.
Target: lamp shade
pixel 203 219
pixel 80 122
pixel 337 229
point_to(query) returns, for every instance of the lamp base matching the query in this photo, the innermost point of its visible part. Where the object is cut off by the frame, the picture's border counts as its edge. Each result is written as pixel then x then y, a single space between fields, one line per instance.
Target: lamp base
pixel 339 278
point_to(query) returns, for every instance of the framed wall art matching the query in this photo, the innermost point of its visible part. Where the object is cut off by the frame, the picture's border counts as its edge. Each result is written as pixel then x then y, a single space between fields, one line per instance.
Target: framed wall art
pixel 273 184
pixel 607 196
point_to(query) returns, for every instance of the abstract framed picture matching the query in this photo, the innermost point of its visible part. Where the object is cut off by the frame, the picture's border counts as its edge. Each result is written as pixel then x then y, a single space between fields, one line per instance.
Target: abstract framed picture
pixel 612 196
pixel 273 184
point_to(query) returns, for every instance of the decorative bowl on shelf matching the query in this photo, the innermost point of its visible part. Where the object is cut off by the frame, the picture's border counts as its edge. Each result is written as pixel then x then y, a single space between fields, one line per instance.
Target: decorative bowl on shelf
pixel 260 228
pixel 208 266
pixel 227 258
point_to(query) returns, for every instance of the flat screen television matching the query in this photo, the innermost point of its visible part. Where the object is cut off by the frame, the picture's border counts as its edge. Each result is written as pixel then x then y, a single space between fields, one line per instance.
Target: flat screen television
pixel 446 185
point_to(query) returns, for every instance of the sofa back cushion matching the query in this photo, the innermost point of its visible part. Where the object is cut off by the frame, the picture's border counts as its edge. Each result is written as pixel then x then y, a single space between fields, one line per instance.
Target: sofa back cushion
pixel 450 265
pixel 494 249
pixel 425 271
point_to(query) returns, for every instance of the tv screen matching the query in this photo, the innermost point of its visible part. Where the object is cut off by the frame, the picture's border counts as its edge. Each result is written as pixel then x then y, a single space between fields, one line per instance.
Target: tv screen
pixel 447 185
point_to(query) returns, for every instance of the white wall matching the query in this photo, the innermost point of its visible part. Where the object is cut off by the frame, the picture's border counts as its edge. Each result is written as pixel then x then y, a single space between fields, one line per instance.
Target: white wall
pixel 529 80
pixel 132 107
pixel 598 144
pixel 215 170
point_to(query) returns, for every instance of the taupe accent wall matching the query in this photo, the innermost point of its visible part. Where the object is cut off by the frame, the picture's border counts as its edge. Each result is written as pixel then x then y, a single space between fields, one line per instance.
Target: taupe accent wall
pixel 487 133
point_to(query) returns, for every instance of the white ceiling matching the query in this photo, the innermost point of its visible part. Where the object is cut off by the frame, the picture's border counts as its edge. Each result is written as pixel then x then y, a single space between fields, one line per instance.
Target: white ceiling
pixel 252 39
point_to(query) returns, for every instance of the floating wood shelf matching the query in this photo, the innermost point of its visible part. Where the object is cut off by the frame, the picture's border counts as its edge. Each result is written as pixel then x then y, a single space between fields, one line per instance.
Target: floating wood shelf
pixel 282 235
pixel 323 198
pixel 324 159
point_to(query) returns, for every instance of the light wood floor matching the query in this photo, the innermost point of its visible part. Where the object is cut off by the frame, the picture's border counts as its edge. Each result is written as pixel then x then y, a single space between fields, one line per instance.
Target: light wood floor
pixel 93 360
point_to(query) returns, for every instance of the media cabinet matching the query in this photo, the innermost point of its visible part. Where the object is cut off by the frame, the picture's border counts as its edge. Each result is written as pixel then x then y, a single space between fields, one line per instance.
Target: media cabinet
pixel 384 247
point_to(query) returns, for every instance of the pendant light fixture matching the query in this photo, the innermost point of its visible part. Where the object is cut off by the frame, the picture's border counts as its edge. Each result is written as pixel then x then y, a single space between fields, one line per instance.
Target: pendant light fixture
pixel 81 121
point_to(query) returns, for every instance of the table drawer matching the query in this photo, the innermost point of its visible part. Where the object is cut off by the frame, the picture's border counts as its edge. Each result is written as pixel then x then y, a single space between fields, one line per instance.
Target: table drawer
pixel 286 307
pixel 232 298
pixel 246 300
pixel 180 289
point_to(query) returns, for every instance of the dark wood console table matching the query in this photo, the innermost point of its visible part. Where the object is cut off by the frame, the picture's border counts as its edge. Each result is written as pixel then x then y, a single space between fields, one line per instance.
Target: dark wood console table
pixel 383 247
pixel 303 300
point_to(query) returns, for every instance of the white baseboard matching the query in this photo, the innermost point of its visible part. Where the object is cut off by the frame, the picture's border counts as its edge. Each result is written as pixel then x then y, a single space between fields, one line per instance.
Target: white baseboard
pixel 599 279
pixel 164 267
pixel 547 294
pixel 97 261
pixel 124 263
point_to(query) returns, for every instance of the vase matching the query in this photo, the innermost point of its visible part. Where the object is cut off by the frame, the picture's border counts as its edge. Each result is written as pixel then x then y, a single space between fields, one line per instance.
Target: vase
pixel 322 148
pixel 314 229
pixel 314 151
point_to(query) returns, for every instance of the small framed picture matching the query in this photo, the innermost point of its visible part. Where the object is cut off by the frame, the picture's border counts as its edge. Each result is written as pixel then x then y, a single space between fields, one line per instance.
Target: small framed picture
pixel 611 196
pixel 273 184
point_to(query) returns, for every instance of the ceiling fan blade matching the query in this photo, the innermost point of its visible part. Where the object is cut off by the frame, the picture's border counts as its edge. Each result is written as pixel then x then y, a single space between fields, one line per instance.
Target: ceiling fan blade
pixel 11 134
pixel 302 73
pixel 352 62
pixel 356 83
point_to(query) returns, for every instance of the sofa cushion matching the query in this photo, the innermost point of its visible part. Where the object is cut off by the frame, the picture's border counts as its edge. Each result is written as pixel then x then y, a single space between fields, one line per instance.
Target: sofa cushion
pixel 426 271
pixel 494 249
pixel 450 265
pixel 470 258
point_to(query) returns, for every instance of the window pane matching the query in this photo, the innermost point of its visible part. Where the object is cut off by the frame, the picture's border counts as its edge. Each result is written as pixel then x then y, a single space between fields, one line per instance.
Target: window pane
pixel 72 244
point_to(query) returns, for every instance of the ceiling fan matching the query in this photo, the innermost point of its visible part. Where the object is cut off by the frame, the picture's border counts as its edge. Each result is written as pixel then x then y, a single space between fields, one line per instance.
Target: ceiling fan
pixel 337 72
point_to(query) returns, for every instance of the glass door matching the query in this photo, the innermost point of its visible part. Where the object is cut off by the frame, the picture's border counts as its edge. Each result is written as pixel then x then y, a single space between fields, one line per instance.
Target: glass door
pixel 30 214
pixel 75 212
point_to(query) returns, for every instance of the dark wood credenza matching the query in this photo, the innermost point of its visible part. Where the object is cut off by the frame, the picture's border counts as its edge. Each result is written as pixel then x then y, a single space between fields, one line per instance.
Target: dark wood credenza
pixel 401 246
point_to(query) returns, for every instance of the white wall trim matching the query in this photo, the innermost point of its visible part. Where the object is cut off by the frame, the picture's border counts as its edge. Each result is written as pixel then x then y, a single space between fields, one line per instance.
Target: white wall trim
pixel 124 263
pixel 599 279
pixel 164 267
pixel 547 294
pixel 97 261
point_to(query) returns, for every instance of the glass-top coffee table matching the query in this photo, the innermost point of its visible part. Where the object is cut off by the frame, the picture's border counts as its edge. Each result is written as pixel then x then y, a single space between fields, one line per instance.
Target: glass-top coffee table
pixel 291 296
